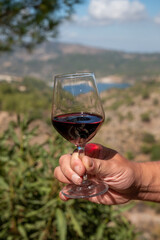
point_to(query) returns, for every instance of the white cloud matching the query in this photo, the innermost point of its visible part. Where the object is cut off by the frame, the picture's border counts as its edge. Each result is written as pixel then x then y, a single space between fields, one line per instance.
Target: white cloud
pixel 116 10
pixel 157 19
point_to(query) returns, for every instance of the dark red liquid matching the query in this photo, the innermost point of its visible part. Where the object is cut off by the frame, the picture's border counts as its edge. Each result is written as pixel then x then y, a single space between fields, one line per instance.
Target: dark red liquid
pixel 77 128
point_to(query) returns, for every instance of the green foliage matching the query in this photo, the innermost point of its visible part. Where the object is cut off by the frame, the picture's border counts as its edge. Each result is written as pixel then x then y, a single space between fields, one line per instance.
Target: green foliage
pixel 29 204
pixel 145 117
pixel 109 62
pixel 148 138
pixel 36 99
pixel 27 23
pixel 155 101
pixel 129 155
pixel 143 89
pixel 146 149
pixel 116 105
pixel 155 152
pixel 102 63
pixel 130 116
pixel 154 206
pixel 151 146
pixel 129 101
pixel 145 94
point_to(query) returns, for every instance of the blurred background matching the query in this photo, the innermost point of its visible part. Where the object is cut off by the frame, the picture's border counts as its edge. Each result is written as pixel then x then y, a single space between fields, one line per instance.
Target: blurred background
pixel 118 40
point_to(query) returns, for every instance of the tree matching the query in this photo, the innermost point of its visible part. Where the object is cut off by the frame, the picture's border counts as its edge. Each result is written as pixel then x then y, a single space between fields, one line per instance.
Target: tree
pixel 29 22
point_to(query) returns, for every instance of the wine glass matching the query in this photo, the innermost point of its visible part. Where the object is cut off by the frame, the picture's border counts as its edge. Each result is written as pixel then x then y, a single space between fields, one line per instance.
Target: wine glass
pixel 77 114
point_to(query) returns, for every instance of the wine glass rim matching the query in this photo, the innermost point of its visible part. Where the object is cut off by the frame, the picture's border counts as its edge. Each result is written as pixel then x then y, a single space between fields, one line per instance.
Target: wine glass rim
pixel 72 75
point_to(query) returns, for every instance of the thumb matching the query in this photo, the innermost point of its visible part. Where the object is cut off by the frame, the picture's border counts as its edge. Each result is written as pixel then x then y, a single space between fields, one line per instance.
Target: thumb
pixel 98 159
pixel 93 166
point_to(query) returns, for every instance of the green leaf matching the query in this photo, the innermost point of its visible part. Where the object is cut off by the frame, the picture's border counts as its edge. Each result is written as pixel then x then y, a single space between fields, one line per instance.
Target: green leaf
pixel 22 231
pixel 32 213
pixel 61 224
pixel 75 222
pixel 100 231
pixel 3 184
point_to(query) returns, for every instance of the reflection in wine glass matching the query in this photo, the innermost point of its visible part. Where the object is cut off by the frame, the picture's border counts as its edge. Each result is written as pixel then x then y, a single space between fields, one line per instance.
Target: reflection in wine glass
pixel 77 114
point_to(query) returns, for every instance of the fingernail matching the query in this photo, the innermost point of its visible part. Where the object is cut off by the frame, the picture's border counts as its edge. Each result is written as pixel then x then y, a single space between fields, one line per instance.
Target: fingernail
pixel 76 179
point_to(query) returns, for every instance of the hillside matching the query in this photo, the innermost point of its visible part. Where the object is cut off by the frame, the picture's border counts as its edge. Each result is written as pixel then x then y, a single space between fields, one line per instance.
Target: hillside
pixel 131 115
pixel 52 58
pixel 131 127
pixel 133 121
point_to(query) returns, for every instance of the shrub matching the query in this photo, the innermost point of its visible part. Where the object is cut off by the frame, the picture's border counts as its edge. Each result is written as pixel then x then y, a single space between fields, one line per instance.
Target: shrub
pixel 29 204
pixel 155 101
pixel 148 138
pixel 129 155
pixel 130 116
pixel 129 101
pixel 145 95
pixel 145 117
pixel 146 149
pixel 155 152
pixel 32 102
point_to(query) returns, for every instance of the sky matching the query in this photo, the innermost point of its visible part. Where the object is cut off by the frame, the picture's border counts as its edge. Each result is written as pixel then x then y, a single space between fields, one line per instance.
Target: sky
pixel 125 25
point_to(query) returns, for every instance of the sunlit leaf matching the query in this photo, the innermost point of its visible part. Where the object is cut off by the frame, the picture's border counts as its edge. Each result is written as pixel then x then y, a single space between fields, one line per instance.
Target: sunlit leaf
pixel 75 223
pixel 61 224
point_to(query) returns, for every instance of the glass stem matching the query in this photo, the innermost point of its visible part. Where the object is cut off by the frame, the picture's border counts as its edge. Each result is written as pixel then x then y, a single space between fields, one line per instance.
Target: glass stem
pixel 81 154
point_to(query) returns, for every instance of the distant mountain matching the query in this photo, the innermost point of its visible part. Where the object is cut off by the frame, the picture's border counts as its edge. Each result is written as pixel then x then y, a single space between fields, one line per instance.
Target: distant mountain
pixel 54 58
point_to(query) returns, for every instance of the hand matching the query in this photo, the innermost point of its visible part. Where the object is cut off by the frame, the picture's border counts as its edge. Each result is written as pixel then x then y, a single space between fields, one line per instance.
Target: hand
pixel 104 164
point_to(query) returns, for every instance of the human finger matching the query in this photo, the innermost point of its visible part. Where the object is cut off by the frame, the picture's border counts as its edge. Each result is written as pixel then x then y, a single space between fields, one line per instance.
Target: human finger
pixel 95 166
pixel 62 197
pixel 68 171
pixel 60 176
pixel 77 165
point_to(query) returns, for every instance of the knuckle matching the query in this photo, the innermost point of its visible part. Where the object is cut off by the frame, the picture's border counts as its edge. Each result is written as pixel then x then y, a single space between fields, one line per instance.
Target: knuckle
pixel 64 158
pixel 61 160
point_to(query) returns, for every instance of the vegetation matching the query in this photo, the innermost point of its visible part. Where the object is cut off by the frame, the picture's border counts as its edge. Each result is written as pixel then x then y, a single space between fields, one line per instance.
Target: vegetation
pixel 35 101
pixel 145 117
pixel 148 138
pixel 30 207
pixel 51 57
pixel 29 204
pixel 109 62
pixel 27 23
pixel 151 146
pixel 153 150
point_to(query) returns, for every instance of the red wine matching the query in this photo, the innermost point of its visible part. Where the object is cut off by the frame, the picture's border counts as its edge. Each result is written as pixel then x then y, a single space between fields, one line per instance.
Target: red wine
pixel 78 128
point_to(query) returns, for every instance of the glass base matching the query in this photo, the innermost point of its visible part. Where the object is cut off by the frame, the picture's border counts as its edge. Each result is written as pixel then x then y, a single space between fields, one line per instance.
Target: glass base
pixel 89 188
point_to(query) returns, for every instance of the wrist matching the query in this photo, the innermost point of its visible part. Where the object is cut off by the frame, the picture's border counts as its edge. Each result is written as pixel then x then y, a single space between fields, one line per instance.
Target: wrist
pixel 147 181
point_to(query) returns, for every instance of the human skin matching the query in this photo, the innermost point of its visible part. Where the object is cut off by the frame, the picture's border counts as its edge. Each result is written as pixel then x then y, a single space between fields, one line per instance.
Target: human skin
pixel 127 180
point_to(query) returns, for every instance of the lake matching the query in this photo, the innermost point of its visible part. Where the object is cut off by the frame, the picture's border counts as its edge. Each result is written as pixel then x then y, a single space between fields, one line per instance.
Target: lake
pixel 105 86
pixel 101 87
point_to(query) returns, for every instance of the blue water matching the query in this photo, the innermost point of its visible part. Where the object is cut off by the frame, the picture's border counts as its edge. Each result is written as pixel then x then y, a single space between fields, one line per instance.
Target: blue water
pixel 101 87
pixel 105 86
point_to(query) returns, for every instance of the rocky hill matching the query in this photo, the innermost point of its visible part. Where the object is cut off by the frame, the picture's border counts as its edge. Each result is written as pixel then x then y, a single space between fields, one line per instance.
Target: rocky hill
pixel 52 58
